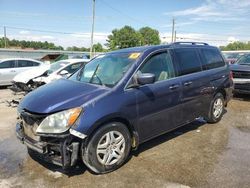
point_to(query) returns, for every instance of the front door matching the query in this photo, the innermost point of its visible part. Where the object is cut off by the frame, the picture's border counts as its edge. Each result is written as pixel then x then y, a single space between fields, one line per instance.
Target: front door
pixel 158 103
pixel 7 72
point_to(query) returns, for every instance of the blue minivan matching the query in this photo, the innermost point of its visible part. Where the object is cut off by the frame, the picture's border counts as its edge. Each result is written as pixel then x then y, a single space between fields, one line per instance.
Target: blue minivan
pixel 121 99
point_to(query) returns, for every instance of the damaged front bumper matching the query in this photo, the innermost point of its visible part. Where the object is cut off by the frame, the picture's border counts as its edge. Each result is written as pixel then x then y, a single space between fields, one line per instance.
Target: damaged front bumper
pixel 21 87
pixel 25 87
pixel 62 150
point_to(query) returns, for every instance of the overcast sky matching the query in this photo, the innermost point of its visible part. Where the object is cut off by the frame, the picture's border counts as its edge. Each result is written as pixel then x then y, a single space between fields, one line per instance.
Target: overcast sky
pixel 68 22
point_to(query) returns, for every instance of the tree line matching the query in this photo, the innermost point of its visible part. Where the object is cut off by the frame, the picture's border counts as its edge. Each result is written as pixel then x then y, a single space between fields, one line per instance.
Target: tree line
pixel 236 46
pixel 124 37
pixel 118 39
pixel 29 44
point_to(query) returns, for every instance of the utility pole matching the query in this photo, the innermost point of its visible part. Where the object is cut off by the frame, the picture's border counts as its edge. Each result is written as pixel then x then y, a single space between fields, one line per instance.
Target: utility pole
pixel 5 37
pixel 92 32
pixel 175 36
pixel 173 30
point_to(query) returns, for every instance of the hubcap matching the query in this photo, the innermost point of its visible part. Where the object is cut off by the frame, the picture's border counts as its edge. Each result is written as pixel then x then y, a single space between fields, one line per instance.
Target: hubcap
pixel 218 107
pixel 110 148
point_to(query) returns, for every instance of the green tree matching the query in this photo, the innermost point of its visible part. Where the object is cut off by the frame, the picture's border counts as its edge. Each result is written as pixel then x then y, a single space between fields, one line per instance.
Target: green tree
pixel 123 38
pixel 29 44
pixel 149 36
pixel 236 46
pixel 98 47
pixel 81 49
pixel 2 42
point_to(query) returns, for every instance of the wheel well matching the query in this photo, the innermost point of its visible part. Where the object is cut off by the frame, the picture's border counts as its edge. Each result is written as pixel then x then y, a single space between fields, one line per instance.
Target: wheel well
pixel 223 92
pixel 132 131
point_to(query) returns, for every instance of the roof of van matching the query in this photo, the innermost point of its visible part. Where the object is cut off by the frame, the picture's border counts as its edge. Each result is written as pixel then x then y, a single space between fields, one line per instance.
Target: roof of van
pixel 173 45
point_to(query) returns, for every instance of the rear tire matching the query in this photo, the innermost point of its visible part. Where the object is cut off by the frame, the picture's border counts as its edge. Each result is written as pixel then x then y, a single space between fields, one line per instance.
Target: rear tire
pixel 216 110
pixel 107 149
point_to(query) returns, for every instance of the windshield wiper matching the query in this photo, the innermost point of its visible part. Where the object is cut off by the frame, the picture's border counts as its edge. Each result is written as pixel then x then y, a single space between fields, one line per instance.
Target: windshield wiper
pixel 95 75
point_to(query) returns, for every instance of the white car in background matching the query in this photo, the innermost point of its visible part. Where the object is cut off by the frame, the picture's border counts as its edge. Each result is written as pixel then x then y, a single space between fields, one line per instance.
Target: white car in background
pixel 9 68
pixel 31 79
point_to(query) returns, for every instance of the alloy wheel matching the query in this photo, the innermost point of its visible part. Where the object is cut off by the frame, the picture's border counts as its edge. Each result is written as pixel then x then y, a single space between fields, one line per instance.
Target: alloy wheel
pixel 218 107
pixel 110 148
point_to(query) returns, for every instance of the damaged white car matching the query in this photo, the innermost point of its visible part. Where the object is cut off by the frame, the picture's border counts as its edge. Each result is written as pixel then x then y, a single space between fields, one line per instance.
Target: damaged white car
pixel 31 79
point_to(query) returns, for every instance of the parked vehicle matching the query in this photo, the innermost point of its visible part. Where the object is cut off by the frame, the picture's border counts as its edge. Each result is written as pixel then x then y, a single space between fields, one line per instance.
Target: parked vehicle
pixel 83 56
pixel 232 57
pixel 31 79
pixel 122 99
pixel 9 68
pixel 241 75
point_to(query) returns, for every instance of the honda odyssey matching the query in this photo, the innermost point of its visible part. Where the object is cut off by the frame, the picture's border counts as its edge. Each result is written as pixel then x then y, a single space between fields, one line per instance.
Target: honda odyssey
pixel 121 99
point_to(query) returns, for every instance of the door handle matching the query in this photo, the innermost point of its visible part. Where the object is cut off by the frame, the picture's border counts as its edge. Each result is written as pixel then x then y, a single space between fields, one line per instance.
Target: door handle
pixel 12 71
pixel 188 83
pixel 175 86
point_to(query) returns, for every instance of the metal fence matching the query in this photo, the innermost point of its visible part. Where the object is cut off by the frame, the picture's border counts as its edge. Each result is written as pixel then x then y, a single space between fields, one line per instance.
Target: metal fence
pixel 35 54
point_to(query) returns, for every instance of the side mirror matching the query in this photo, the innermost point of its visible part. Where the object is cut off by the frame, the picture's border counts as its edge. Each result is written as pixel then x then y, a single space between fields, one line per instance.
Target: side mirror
pixel 145 78
pixel 64 73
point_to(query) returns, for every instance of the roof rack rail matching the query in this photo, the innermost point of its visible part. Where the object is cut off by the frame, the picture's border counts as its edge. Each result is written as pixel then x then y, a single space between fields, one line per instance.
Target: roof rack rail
pixel 191 43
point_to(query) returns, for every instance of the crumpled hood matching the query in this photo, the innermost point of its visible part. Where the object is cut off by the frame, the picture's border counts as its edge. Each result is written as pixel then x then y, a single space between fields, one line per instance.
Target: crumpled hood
pixel 237 67
pixel 60 95
pixel 26 76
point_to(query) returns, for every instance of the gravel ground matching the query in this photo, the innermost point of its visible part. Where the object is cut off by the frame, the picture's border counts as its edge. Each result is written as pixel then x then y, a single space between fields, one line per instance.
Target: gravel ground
pixel 197 155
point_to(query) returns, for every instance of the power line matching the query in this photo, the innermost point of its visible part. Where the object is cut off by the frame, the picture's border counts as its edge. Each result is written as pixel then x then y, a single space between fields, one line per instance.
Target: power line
pixel 86 34
pixel 213 34
pixel 49 31
pixel 198 39
pixel 122 13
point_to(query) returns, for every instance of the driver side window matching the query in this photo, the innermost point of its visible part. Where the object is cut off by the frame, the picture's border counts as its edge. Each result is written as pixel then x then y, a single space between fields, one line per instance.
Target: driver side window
pixel 160 65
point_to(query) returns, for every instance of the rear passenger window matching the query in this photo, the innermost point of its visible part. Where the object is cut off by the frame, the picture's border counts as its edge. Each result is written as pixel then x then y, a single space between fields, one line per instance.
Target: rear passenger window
pixel 23 63
pixel 26 63
pixel 212 59
pixel 160 65
pixel 7 64
pixel 34 64
pixel 188 60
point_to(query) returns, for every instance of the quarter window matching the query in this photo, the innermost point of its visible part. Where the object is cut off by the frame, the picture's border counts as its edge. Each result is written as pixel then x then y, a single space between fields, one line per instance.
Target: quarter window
pixel 160 65
pixel 189 61
pixel 212 59
pixel 74 67
pixel 7 64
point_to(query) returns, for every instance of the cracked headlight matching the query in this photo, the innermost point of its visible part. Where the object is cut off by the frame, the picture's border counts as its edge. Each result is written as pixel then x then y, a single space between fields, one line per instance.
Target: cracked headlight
pixel 60 121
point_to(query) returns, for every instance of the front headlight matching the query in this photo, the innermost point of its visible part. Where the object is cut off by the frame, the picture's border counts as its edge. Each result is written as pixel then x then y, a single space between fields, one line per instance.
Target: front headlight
pixel 59 122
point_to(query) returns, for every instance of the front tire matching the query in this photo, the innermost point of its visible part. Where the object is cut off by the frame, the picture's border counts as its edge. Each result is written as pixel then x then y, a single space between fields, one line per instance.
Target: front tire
pixel 107 149
pixel 217 108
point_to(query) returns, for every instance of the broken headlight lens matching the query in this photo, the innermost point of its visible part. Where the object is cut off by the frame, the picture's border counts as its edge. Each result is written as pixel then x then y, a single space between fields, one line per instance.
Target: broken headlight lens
pixel 60 121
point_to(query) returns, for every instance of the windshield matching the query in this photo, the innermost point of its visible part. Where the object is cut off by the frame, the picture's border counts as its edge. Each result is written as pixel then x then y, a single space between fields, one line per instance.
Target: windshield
pixel 244 60
pixel 231 55
pixel 106 69
pixel 57 65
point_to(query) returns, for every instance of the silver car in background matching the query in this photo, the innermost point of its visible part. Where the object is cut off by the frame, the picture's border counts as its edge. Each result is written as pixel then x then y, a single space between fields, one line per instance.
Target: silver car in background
pixel 9 68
